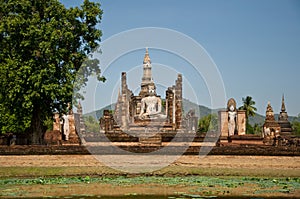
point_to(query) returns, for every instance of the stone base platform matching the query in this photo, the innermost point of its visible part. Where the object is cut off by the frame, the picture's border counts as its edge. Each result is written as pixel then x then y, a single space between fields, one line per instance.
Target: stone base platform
pixel 192 150
pixel 151 125
pixel 151 141
pixel 155 140
pixel 242 140
pixel 168 136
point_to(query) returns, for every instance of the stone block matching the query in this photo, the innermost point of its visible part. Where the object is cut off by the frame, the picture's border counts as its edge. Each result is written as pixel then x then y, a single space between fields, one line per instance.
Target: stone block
pixel 223 123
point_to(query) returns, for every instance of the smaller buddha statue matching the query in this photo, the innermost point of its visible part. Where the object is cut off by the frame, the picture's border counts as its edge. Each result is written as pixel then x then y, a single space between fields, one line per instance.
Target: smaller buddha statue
pixel 231 108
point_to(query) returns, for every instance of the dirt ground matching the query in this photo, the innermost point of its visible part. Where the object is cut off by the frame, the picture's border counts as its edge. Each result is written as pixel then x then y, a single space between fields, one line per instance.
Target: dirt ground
pixel 250 162
pixel 68 165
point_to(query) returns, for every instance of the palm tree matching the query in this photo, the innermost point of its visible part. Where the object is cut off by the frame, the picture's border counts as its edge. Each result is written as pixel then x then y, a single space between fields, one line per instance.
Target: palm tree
pixel 248 106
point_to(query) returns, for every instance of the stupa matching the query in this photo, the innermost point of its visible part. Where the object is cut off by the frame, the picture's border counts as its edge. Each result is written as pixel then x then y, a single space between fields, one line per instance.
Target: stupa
pixel 286 128
pixel 271 128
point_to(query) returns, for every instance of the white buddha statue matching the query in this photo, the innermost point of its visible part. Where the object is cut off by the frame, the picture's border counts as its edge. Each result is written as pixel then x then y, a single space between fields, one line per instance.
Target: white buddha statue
pixel 231 123
pixel 151 106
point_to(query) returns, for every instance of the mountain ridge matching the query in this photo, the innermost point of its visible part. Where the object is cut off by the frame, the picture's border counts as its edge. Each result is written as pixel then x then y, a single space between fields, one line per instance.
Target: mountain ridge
pixel 200 110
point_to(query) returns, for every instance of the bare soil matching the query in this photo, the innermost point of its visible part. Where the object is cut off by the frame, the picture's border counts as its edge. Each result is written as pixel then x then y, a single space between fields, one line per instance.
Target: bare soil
pixel 221 161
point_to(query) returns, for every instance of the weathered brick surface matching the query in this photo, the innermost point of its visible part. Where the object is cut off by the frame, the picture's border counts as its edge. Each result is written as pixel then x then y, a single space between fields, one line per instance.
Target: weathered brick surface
pixel 194 150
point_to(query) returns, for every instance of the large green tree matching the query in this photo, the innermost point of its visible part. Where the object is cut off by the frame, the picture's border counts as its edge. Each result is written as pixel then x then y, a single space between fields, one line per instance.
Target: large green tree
pixel 249 107
pixel 42 47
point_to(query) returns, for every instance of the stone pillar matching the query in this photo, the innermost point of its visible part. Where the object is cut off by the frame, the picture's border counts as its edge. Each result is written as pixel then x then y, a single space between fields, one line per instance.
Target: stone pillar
pixel 173 106
pixel 118 107
pixel 170 102
pixel 72 134
pixel 136 102
pixel 81 120
pixel 167 105
pixel 124 83
pixel 107 121
pixel 241 122
pixel 124 123
pixel 178 97
pixel 124 103
pixel 223 123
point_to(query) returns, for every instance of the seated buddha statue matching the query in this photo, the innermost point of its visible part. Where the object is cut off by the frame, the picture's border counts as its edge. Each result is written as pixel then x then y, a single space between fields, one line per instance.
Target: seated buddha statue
pixel 151 106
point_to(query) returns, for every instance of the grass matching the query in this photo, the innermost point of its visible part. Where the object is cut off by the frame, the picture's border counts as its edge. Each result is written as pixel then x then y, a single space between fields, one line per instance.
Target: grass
pixel 202 181
pixel 193 186
pixel 7 172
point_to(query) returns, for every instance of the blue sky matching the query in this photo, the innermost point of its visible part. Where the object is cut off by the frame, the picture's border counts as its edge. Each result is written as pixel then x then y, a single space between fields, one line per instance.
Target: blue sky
pixel 254 44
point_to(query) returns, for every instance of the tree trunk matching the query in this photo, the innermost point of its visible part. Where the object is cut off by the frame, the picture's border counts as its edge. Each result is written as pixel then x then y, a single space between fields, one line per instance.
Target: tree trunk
pixel 37 130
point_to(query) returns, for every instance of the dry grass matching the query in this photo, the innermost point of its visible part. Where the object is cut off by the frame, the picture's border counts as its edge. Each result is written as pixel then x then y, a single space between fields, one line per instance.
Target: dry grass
pixel 75 165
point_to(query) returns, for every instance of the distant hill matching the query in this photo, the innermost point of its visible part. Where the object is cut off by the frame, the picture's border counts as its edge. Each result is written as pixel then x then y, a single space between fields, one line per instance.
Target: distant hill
pixel 199 109
pixel 99 113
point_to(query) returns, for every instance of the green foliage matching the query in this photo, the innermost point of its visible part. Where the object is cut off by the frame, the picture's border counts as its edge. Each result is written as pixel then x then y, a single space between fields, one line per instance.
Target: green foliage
pixel 257 129
pixel 91 124
pixel 163 103
pixel 48 123
pixel 270 184
pixel 249 128
pixel 41 180
pixel 249 107
pixel 208 123
pixel 296 125
pixel 43 45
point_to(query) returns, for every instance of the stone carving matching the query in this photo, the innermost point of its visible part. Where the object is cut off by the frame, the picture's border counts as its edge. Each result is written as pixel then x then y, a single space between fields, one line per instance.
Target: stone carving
pixel 57 123
pixel 66 126
pixel 267 132
pixel 13 140
pixel 190 121
pixel 151 105
pixel 231 108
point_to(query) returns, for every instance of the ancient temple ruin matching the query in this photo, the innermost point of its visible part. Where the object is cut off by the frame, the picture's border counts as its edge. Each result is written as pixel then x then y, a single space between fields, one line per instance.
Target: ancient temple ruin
pixel 67 128
pixel 270 122
pixel 282 127
pixel 147 111
pixel 276 131
pixel 271 128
